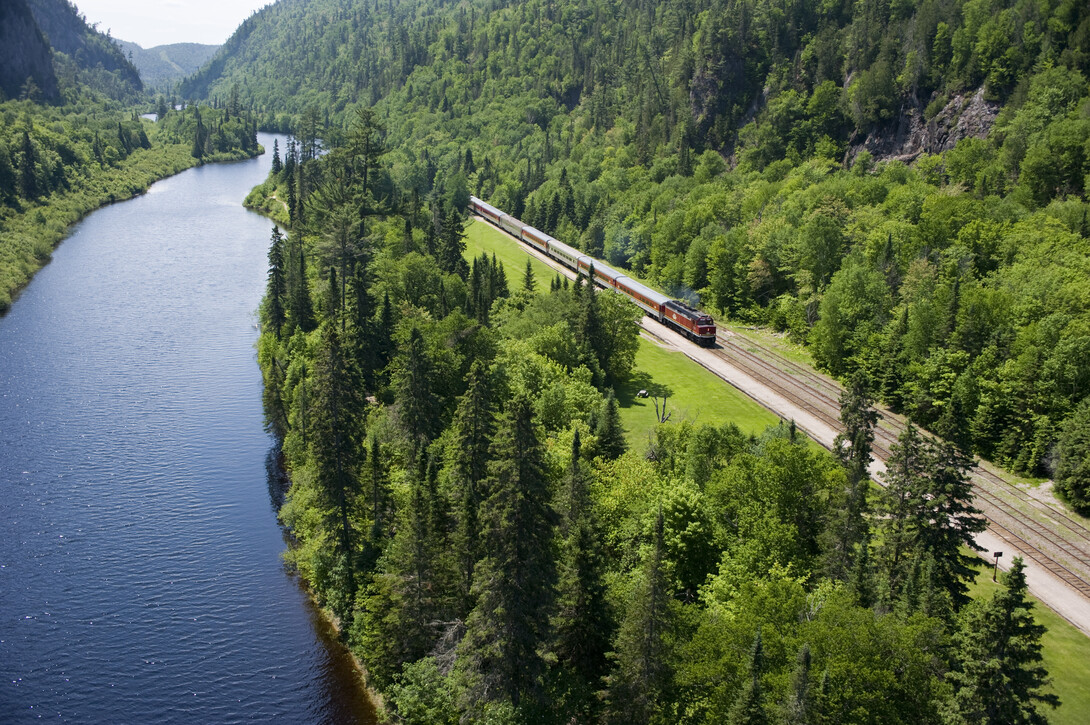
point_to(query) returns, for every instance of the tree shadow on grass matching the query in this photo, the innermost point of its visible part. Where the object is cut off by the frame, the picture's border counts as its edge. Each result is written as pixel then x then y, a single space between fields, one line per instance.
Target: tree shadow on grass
pixel 641 380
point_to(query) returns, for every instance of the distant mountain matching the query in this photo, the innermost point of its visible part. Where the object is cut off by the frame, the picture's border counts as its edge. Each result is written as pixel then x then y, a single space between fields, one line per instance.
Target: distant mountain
pixel 81 52
pixel 24 53
pixel 164 65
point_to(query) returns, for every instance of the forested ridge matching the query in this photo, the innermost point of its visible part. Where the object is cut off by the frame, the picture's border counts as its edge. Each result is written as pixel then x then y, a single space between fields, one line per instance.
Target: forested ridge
pixel 721 151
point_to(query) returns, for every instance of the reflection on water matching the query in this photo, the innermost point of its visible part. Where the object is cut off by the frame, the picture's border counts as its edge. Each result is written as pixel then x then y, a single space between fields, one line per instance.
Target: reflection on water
pixel 141 577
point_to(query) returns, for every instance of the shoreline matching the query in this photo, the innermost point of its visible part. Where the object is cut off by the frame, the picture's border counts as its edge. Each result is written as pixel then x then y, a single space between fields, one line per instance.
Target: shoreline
pixel 43 236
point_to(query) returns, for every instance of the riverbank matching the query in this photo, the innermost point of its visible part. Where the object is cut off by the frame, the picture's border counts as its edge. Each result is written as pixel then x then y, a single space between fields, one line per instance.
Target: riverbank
pixel 28 238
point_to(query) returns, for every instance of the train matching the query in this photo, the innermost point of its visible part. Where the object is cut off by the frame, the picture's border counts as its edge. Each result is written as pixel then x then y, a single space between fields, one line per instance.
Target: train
pixel 674 314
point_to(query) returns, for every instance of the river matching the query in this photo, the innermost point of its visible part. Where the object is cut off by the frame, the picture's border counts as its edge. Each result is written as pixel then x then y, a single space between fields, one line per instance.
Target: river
pixel 140 570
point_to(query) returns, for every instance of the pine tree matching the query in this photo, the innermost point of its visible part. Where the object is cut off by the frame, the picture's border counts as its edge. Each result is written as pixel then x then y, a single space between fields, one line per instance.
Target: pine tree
pixel 902 501
pixel 500 658
pixel 999 676
pixel 413 381
pixel 276 165
pixel 582 623
pixel 642 679
pixel 748 708
pixel 529 283
pixel 799 708
pixel 853 447
pixel 276 290
pixel 300 310
pixel 611 440
pixel 473 430
pixel 948 521
pixel 336 446
pixel 452 245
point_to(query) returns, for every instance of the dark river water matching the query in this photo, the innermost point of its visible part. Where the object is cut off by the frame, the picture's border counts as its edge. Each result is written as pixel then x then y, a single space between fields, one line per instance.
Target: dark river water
pixel 140 570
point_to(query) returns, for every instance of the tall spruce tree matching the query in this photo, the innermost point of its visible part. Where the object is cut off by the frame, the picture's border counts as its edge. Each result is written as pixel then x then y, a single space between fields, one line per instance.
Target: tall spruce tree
pixel 452 245
pixel 800 706
pixel 902 502
pixel 641 682
pixel 948 522
pixel 853 448
pixel 501 659
pixel 749 707
pixel 999 676
pixel 611 440
pixel 417 403
pixel 473 431
pixel 336 446
pixel 529 282
pixel 276 289
pixel 582 624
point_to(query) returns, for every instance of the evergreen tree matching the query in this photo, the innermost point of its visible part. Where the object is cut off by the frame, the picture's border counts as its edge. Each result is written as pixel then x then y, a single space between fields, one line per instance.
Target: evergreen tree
pixel 582 623
pixel 799 707
pixel 276 165
pixel 276 290
pixel 473 430
pixel 300 310
pixel 948 521
pixel 999 677
pixel 413 381
pixel 853 447
pixel 500 657
pixel 611 440
pixel 364 328
pixel 452 245
pixel 902 502
pixel 336 446
pixel 528 282
pixel 641 683
pixel 748 708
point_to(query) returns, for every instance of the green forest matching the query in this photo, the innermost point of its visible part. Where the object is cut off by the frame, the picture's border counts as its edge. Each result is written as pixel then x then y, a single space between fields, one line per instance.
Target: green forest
pixel 465 503
pixel 900 186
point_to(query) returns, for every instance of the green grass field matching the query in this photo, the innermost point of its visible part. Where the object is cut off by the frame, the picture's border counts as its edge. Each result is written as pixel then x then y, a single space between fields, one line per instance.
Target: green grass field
pixel 1067 656
pixel 693 394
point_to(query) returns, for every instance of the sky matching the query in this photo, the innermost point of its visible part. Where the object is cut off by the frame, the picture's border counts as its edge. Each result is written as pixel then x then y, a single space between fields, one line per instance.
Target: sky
pixel 160 22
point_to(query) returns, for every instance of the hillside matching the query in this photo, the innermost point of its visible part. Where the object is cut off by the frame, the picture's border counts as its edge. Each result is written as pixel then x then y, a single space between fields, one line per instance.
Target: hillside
pixel 24 54
pixel 718 149
pixel 164 65
pixel 82 54
pixel 902 187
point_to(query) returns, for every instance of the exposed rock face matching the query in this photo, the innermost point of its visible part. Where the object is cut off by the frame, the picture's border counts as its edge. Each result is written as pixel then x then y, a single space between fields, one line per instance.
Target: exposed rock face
pixel 24 53
pixel 908 136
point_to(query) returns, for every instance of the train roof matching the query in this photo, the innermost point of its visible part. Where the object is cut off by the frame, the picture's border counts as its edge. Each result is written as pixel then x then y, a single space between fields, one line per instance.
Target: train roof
pixel 486 205
pixel 643 290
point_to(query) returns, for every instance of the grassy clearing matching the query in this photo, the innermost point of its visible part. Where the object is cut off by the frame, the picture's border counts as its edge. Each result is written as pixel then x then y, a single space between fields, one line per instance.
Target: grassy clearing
pixel 693 394
pixel 1066 653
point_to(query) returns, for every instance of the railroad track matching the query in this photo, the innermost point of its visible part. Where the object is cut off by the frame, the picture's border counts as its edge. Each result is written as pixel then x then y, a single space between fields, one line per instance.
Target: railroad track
pixel 1067 558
